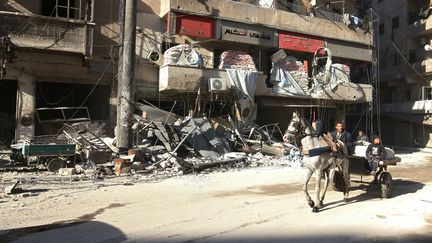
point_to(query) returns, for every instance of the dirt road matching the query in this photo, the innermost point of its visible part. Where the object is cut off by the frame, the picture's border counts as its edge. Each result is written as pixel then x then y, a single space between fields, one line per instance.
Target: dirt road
pixel 251 205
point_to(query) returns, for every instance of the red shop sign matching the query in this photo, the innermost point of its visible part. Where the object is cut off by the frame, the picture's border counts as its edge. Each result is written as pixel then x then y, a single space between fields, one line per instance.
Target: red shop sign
pixel 299 42
pixel 195 26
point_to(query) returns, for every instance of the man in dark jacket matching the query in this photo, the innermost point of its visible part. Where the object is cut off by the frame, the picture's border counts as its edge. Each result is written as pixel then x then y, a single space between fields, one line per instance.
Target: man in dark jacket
pixel 341 134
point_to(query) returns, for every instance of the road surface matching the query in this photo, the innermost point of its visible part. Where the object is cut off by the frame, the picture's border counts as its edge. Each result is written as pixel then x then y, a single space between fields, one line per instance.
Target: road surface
pixel 247 205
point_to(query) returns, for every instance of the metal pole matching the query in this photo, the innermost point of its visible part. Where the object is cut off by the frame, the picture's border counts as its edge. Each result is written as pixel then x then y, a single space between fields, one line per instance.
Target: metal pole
pixel 343 8
pixel 125 94
pixel 92 9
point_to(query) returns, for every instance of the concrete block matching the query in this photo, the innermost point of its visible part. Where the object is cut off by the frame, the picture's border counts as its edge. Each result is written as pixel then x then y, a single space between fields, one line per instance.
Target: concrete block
pixel 67 171
pixel 122 166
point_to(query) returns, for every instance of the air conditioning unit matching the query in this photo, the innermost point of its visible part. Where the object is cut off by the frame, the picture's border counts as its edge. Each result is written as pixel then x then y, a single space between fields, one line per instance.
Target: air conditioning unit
pixel 156 57
pixel 247 110
pixel 217 84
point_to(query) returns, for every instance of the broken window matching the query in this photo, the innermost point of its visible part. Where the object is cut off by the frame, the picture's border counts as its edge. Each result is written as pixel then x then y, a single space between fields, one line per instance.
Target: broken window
pixel 381 29
pixel 70 9
pixel 426 93
pixel 395 23
pixel 408 94
pixel 412 58
pixel 396 59
pixel 386 93
pixel 383 63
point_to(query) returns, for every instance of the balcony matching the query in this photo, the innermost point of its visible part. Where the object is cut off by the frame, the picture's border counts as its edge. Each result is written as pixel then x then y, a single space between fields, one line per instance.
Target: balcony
pixel 189 79
pixel 175 79
pixel 269 17
pixel 347 92
pixel 419 28
pixel 424 67
pixel 411 107
pixel 47 33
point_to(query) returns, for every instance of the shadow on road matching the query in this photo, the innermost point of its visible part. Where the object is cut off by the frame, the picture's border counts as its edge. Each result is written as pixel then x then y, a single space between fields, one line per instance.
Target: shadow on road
pixel 373 191
pixel 81 229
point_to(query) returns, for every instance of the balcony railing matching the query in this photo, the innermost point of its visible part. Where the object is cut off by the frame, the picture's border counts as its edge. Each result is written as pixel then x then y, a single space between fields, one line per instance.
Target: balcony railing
pixel 47 33
pixel 296 8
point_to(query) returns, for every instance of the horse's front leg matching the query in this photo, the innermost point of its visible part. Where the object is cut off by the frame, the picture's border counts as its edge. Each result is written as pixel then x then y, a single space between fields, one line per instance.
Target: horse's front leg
pixel 305 188
pixel 347 180
pixel 318 175
pixel 326 184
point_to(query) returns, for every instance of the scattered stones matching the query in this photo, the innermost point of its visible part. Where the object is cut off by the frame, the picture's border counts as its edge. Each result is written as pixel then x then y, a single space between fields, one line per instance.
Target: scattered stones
pixel 28 194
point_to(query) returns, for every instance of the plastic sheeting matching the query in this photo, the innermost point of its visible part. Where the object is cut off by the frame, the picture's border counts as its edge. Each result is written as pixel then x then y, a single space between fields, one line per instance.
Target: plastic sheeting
pixel 182 55
pixel 266 3
pixel 289 76
pixel 244 81
pixel 338 74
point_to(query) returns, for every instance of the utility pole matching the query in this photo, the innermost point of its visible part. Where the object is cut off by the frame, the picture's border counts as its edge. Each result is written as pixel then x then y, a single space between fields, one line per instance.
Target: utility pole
pixel 125 87
pixel 120 62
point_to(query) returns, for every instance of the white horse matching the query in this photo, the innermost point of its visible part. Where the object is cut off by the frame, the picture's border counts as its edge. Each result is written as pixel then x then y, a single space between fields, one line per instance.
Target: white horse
pixel 322 165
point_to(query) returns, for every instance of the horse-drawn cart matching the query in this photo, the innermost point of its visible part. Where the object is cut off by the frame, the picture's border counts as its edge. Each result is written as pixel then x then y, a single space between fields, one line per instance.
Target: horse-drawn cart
pixel 359 166
pixel 52 151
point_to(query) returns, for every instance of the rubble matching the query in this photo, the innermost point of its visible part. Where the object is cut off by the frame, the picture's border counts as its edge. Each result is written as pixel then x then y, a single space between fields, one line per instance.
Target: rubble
pixel 67 171
pixel 12 188
pixel 165 144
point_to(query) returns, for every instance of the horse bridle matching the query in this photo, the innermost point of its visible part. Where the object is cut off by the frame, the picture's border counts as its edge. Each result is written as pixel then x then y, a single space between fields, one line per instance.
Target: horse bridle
pixel 299 131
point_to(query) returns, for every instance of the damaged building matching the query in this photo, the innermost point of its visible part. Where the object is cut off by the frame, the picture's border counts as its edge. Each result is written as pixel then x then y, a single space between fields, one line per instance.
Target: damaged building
pixel 53 54
pixel 233 65
pixel 405 71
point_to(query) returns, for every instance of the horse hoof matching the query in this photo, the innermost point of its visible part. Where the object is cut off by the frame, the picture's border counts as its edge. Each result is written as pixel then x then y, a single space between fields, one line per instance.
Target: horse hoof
pixel 315 210
pixel 345 200
pixel 311 203
pixel 321 203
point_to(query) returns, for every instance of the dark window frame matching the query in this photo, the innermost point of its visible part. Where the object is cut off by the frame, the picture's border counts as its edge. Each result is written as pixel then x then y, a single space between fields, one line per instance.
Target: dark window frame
pixel 381 29
pixel 395 23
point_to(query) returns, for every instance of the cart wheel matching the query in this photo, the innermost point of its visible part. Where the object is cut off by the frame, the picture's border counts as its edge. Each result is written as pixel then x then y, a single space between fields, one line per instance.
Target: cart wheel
pixel 55 164
pixel 386 184
pixel 338 183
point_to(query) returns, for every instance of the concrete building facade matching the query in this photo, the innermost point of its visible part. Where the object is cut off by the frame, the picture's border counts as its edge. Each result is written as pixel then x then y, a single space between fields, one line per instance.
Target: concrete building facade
pixel 65 57
pixel 405 71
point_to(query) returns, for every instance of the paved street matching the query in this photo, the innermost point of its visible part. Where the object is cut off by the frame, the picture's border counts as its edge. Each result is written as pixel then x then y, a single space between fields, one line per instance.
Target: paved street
pixel 258 204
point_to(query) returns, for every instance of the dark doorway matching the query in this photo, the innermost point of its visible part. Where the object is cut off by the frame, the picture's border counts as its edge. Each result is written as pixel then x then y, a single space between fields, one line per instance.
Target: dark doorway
pixel 8 91
pixel 67 95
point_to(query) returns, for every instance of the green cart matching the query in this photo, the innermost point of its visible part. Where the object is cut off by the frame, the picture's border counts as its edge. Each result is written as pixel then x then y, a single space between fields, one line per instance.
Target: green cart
pixel 52 151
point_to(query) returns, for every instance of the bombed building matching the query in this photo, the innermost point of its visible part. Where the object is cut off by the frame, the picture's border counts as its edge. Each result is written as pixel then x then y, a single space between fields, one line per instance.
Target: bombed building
pixel 237 66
